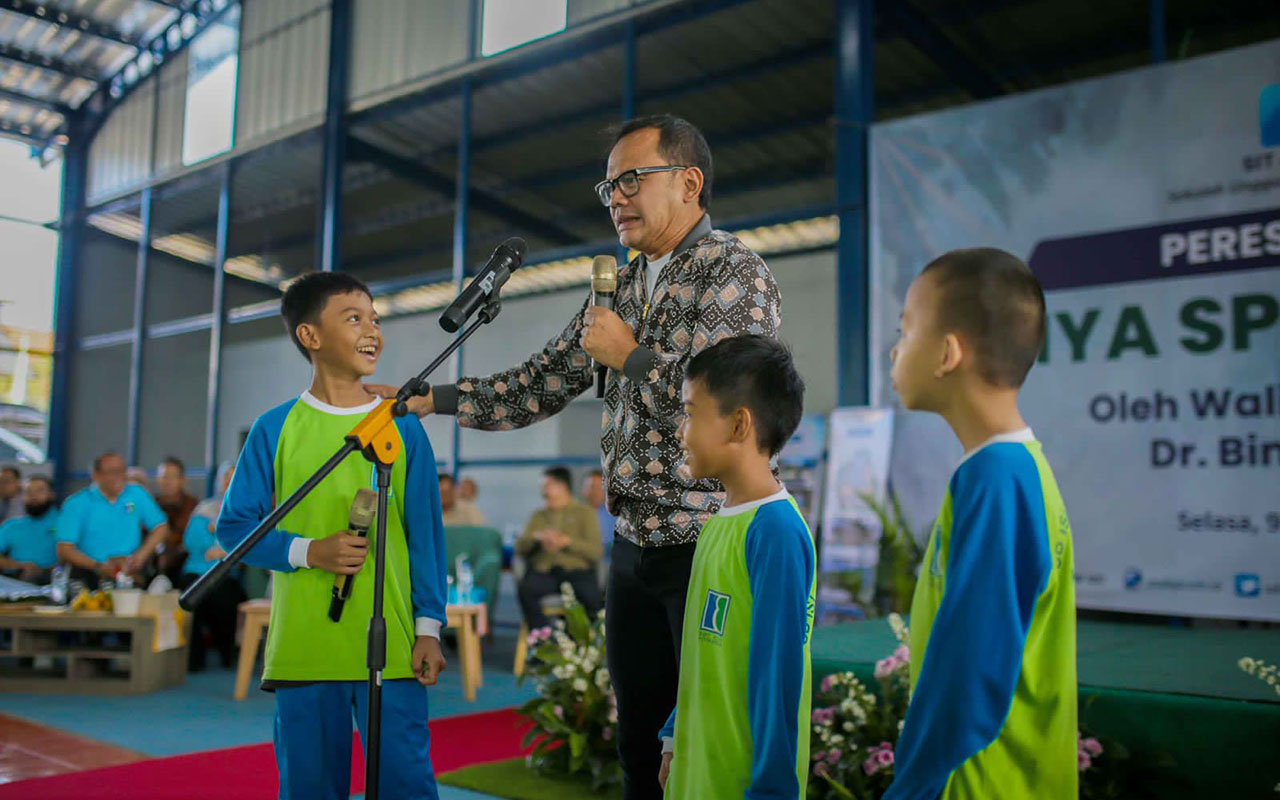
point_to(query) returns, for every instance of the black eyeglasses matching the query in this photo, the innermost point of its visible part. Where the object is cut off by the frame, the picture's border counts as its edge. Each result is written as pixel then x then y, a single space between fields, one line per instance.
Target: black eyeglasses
pixel 628 183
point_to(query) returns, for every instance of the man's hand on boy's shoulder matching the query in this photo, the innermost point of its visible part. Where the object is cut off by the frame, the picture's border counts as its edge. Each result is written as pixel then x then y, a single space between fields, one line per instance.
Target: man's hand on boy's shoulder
pixel 418 406
pixel 340 553
pixel 428 660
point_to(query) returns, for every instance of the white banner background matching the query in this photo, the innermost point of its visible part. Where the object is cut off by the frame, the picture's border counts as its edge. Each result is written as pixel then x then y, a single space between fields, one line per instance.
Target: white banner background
pixel 1170 144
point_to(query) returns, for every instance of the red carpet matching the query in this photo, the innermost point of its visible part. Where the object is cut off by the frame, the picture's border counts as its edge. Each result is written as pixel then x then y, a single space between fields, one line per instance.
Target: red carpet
pixel 249 773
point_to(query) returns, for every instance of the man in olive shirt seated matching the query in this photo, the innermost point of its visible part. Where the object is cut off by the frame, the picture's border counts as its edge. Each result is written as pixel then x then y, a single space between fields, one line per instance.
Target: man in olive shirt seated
pixel 561 544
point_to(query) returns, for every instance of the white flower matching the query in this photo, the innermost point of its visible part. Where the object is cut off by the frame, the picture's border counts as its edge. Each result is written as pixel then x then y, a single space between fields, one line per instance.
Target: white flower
pixel 848 727
pixel 580 685
pixel 899 627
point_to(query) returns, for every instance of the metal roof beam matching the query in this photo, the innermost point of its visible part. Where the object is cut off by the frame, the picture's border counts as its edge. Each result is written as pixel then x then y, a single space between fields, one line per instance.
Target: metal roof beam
pixel 46 105
pixel 72 20
pixel 916 27
pixel 51 63
pixel 481 200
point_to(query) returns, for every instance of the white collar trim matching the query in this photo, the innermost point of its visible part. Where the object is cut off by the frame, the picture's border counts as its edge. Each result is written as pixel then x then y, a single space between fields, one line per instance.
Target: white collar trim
pixel 731 511
pixel 1016 437
pixel 319 405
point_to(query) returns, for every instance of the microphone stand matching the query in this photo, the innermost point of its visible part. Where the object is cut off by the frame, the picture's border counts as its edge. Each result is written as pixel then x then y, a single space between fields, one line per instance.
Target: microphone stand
pixel 375 437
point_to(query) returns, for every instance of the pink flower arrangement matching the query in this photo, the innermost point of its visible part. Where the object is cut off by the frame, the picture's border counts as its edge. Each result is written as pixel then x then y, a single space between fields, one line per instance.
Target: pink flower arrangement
pixel 1086 751
pixel 539 636
pixel 901 657
pixel 824 716
pixel 879 757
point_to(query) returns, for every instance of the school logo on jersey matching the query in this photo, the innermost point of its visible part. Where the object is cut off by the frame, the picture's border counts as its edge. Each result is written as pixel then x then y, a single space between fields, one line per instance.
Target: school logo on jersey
pixel 715 613
pixel 129 507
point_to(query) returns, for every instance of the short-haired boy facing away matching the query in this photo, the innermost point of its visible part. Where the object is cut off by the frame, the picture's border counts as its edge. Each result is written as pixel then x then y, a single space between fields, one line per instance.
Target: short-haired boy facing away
pixel 317 667
pixel 993 625
pixel 741 723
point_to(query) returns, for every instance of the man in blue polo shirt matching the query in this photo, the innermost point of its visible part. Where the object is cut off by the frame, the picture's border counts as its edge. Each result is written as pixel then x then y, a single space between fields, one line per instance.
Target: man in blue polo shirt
pixel 28 549
pixel 100 529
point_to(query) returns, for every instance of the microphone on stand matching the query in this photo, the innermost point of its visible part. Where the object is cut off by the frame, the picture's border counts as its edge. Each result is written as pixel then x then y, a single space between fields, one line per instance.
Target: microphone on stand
pixel 362 509
pixel 604 286
pixel 505 260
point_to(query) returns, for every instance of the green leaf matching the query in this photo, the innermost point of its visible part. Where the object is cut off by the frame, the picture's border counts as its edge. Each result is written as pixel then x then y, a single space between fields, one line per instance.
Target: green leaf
pixel 839 790
pixel 579 626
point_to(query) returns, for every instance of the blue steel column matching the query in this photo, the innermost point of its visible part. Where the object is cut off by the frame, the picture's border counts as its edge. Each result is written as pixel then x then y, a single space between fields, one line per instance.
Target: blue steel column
pixel 1158 32
pixel 139 331
pixel 215 333
pixel 461 221
pixel 329 231
pixel 75 162
pixel 855 109
pixel 628 92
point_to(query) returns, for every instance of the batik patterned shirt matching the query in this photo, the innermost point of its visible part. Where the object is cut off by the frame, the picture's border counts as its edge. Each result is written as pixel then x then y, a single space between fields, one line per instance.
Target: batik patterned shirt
pixel 713 288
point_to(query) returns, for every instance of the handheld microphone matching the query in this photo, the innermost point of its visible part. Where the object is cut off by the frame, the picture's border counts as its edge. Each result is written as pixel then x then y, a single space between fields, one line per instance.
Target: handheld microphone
pixel 505 260
pixel 604 286
pixel 362 509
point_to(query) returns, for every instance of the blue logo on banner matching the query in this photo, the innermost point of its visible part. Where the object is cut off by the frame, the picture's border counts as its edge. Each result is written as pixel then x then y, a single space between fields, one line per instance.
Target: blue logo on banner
pixel 1132 578
pixel 1248 585
pixel 1269 115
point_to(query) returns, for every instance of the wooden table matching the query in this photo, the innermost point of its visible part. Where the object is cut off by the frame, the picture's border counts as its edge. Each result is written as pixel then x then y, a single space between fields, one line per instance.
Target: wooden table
pixel 87 668
pixel 471 622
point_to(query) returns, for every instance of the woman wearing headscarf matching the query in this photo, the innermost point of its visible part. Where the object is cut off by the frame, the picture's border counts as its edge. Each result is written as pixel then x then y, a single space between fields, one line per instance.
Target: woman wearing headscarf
pixel 215 617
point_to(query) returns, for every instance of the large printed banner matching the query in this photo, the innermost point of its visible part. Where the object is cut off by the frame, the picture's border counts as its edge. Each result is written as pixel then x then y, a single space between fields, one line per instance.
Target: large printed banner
pixel 1149 208
pixel 857 467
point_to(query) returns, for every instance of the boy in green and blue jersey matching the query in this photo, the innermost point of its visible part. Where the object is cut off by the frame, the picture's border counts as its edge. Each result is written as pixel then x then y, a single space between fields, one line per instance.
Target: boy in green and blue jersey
pixel 740 727
pixel 316 667
pixel 993 627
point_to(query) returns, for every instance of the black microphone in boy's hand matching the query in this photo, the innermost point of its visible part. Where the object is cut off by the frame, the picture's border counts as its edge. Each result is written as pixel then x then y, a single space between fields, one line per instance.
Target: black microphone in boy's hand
pixel 362 510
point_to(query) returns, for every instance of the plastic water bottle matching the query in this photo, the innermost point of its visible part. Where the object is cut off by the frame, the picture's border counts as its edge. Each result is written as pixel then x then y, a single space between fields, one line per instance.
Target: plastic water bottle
pixel 59 585
pixel 462 568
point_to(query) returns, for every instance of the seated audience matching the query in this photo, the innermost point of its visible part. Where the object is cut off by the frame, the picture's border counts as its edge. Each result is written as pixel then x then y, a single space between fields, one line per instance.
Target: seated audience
pixel 561 544
pixel 100 528
pixel 177 504
pixel 595 496
pixel 10 493
pixel 215 617
pixel 456 510
pixel 28 549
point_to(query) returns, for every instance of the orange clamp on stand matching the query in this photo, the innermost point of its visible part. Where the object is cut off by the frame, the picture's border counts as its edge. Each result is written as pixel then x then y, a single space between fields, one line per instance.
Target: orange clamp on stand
pixel 376 434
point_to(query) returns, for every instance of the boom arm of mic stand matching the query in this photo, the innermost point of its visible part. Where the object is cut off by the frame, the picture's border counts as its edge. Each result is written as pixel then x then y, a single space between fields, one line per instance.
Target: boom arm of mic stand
pixel 360 437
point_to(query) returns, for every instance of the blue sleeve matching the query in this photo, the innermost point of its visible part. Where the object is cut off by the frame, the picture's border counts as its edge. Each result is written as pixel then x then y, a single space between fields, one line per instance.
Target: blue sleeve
pixel 669 728
pixel 251 496
pixel 780 565
pixel 197 538
pixel 428 558
pixel 148 509
pixel 71 520
pixel 5 544
pixel 998 565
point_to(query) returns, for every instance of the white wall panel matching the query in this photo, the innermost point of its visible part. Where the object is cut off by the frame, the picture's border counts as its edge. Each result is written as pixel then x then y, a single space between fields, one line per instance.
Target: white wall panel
pixel 396 41
pixel 172 107
pixel 284 53
pixel 120 155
